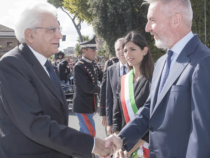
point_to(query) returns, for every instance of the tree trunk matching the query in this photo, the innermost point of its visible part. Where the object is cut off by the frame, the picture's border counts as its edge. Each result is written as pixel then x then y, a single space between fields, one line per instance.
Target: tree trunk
pixel 77 27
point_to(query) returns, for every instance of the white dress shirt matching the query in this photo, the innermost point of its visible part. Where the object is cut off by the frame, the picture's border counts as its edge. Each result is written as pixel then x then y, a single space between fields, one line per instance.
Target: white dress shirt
pixel 42 59
pixel 121 68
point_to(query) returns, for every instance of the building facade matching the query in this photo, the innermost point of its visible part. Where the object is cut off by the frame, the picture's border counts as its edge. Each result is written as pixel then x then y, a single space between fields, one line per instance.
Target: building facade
pixel 69 51
pixel 7 39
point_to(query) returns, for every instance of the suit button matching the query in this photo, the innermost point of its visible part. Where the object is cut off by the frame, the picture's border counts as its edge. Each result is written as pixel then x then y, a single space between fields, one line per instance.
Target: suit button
pixel 151 129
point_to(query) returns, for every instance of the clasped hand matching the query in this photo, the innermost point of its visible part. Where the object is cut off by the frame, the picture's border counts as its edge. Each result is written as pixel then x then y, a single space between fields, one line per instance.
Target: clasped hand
pixel 104 148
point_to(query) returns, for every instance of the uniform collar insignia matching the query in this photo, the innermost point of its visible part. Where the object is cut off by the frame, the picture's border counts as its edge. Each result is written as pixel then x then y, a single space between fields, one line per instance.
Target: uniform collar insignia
pixel 87 60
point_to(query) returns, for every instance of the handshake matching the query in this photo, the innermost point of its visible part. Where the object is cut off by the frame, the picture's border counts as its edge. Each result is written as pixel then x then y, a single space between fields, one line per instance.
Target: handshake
pixel 104 148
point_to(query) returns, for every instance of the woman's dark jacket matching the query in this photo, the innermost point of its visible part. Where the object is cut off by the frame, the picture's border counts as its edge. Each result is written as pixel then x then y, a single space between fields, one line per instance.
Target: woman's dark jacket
pixel 141 92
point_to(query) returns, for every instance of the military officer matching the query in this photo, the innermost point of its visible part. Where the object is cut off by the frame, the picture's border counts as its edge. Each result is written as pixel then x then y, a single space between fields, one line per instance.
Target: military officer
pixel 86 76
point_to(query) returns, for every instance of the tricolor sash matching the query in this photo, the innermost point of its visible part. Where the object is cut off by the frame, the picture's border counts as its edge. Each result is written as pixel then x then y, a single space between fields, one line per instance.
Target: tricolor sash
pixel 130 109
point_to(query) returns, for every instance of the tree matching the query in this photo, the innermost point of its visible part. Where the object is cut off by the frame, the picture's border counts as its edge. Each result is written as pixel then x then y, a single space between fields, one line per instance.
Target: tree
pixel 79 8
pixel 114 19
pixel 84 38
pixel 70 6
pixel 77 49
pixel 198 20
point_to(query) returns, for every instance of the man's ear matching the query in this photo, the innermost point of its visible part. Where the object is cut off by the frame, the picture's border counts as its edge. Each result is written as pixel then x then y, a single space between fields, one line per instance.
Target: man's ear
pixel 83 51
pixel 176 20
pixel 29 35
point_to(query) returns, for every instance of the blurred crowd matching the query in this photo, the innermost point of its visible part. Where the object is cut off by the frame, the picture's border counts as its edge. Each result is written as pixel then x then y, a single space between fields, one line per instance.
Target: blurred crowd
pixel 63 66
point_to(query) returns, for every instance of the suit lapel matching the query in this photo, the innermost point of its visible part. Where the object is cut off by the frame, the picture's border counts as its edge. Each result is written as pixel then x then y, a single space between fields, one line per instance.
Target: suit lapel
pixel 156 80
pixel 179 66
pixel 139 86
pixel 38 69
pixel 118 70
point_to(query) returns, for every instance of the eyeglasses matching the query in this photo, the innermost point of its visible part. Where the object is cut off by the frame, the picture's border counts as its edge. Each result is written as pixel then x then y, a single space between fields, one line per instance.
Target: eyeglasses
pixel 51 30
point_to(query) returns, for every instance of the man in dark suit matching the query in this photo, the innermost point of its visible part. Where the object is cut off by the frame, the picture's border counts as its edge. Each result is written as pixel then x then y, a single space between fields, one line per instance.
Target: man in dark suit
pixel 33 109
pixel 113 74
pixel 102 107
pixel 177 110
pixel 64 71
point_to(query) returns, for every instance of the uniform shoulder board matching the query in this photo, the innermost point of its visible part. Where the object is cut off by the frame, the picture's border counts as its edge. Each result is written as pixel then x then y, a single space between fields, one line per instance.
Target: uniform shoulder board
pixel 115 59
pixel 81 62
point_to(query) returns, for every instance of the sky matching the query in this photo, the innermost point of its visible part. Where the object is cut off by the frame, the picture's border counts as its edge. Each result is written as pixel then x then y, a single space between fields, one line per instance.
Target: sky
pixel 10 9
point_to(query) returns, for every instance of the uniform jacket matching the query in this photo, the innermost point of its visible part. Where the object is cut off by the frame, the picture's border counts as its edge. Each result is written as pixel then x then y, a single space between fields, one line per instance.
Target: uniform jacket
pixel 33 114
pixel 86 76
pixel 177 119
pixel 141 93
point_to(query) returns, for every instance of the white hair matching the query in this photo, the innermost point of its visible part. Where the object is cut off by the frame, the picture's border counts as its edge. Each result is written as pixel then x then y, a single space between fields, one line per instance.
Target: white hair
pixel 31 17
pixel 182 7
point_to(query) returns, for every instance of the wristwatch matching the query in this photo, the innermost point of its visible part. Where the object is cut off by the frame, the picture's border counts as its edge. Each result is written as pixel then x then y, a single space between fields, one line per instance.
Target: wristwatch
pixel 124 142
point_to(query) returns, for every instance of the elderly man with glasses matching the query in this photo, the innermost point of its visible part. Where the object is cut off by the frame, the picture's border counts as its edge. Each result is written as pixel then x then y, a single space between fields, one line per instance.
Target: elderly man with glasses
pixel 33 109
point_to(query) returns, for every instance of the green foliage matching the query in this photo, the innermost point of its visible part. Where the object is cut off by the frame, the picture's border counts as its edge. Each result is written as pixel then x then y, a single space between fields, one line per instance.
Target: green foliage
pixel 102 51
pixel 114 19
pixel 56 3
pixel 77 49
pixel 84 38
pixel 198 26
pixel 78 8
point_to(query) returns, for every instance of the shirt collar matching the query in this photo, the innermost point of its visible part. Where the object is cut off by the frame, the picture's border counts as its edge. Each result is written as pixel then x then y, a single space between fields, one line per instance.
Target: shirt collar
pixel 42 59
pixel 121 65
pixel 178 47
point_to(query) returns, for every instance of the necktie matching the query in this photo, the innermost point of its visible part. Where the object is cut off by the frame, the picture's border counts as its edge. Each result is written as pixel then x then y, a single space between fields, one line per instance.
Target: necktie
pixel 52 75
pixel 166 73
pixel 124 72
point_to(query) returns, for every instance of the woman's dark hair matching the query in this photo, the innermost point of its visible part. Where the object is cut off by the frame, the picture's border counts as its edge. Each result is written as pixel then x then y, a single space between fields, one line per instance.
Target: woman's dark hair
pixel 147 65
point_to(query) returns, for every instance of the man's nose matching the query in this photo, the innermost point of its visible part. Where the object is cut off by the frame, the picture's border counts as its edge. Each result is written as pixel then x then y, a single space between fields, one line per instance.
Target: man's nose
pixel 148 27
pixel 59 35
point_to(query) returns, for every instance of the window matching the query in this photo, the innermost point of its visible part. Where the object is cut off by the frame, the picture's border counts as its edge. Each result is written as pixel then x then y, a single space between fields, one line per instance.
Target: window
pixel 9 44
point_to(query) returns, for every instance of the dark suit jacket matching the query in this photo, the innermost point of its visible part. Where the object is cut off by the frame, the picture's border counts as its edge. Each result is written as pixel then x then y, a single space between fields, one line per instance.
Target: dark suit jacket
pixel 33 115
pixel 141 93
pixel 64 71
pixel 102 110
pixel 56 71
pixel 113 75
pixel 177 119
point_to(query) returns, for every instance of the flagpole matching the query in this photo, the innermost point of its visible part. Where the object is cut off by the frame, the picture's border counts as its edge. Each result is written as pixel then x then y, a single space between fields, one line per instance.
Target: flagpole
pixel 205 18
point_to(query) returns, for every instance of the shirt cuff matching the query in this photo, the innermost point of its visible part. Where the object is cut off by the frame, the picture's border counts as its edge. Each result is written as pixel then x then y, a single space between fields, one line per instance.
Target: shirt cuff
pixel 93 145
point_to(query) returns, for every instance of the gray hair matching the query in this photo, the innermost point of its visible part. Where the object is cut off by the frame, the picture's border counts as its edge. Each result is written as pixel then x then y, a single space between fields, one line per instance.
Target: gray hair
pixel 32 17
pixel 182 7
pixel 118 40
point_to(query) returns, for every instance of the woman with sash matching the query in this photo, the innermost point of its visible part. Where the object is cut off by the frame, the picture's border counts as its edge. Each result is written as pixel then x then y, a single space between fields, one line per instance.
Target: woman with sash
pixel 133 90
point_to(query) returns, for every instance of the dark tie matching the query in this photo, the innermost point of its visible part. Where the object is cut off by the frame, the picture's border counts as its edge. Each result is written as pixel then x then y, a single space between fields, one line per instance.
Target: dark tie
pixel 166 73
pixel 52 75
pixel 124 72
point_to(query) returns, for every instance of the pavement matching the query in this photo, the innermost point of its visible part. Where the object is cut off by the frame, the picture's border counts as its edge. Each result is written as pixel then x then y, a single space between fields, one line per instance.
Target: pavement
pixel 74 123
